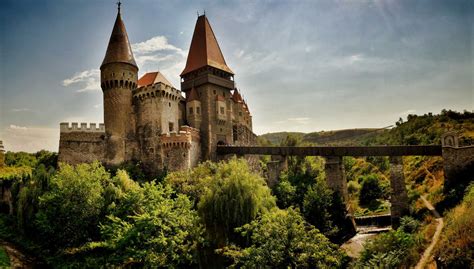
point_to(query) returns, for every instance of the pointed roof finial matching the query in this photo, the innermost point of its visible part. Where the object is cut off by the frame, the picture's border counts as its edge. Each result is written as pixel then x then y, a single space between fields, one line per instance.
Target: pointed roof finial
pixel 204 49
pixel 119 49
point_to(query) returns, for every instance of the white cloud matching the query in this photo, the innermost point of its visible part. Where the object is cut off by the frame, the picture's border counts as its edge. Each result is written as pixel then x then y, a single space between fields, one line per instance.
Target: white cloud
pixel 154 44
pixel 154 54
pixel 89 80
pixel 16 127
pixel 21 110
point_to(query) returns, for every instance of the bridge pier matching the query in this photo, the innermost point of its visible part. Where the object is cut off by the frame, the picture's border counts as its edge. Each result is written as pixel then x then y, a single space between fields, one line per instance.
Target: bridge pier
pixel 275 167
pixel 398 196
pixel 335 176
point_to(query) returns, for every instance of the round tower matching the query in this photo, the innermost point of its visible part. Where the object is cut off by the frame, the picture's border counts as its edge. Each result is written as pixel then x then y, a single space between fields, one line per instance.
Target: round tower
pixel 119 75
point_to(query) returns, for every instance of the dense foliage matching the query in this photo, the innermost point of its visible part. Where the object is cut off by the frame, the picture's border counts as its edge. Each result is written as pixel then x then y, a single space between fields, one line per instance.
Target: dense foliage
pixel 456 246
pixel 283 239
pixel 393 249
pixel 370 189
pixel 235 196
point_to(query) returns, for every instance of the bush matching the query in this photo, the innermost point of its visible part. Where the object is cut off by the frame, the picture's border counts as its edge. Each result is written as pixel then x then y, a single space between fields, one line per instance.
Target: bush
pixel 282 239
pixel 370 189
pixel 456 246
pixel 353 187
pixel 394 249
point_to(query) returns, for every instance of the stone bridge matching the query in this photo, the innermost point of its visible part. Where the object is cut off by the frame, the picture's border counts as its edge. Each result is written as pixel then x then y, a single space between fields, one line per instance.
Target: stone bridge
pixel 455 158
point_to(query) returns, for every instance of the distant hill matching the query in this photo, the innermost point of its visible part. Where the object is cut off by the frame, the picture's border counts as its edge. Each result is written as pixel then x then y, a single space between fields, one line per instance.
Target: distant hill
pixel 346 136
pixel 416 130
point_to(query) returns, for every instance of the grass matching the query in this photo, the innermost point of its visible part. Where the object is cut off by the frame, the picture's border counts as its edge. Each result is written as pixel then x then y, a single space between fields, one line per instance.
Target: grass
pixel 4 259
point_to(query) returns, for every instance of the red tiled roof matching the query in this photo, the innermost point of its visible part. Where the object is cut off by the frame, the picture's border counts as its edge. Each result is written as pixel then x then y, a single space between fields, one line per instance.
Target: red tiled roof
pixel 204 50
pixel 152 78
pixel 192 96
pixel 119 50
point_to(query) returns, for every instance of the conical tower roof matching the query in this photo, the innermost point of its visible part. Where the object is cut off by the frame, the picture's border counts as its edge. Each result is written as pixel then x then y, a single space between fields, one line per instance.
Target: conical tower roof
pixel 193 95
pixel 119 49
pixel 204 50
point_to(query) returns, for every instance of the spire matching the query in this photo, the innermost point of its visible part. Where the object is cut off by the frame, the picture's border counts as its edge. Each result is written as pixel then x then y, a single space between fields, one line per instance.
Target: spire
pixel 193 95
pixel 204 50
pixel 119 50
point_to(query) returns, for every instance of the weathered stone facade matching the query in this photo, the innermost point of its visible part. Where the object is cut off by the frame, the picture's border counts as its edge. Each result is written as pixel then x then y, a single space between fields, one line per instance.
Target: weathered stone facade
pixel 150 121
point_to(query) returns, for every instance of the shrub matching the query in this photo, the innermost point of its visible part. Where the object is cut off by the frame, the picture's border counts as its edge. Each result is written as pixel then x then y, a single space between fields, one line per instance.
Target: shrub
pixel 370 189
pixel 282 239
pixel 393 249
pixel 456 246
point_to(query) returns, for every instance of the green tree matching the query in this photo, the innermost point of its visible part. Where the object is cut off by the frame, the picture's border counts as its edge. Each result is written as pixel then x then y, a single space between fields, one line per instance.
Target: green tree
pixel 317 205
pixel 163 231
pixel 70 212
pixel 235 197
pixel 370 189
pixel 282 239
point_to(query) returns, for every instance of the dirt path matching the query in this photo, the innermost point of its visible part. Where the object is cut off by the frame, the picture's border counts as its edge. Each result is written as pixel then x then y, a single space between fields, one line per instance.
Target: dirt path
pixel 427 254
pixel 17 258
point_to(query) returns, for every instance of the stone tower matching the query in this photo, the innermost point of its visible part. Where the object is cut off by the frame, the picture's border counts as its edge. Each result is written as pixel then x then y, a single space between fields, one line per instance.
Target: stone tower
pixel 119 75
pixel 207 73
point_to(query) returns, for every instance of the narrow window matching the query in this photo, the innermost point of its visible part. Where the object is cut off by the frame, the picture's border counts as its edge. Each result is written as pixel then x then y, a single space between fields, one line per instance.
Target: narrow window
pixel 198 110
pixel 171 127
pixel 222 110
pixel 190 111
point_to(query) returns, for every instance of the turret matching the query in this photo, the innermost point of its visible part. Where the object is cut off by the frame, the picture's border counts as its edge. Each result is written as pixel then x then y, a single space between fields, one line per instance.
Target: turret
pixel 193 109
pixel 119 74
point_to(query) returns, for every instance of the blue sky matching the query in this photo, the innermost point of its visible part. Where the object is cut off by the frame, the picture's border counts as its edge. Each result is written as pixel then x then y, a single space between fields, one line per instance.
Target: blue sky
pixel 301 65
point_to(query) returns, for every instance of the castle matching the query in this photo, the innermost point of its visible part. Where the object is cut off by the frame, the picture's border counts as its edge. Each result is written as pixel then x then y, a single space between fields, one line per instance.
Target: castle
pixel 148 120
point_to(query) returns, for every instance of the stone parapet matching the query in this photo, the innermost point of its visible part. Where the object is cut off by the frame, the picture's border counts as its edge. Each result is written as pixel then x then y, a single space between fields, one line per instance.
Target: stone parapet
pixel 183 138
pixel 157 90
pixel 64 127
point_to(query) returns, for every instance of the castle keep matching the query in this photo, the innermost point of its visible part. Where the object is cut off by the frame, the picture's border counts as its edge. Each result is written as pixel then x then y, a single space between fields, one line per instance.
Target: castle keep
pixel 150 121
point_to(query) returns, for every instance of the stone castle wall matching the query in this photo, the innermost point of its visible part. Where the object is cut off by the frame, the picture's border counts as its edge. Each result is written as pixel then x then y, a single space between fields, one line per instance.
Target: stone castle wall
pixel 81 144
pixel 181 150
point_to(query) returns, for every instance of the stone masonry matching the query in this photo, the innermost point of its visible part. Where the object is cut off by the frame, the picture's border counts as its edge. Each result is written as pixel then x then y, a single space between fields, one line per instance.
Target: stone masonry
pixel 148 120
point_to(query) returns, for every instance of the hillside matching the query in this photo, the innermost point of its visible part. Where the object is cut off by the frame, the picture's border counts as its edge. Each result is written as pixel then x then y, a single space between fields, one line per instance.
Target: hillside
pixel 416 130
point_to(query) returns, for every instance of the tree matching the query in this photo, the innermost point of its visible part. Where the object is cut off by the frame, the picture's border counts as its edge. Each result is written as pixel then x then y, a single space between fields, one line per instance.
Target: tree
pixel 163 231
pixel 370 189
pixel 235 197
pixel 316 207
pixel 69 213
pixel 282 239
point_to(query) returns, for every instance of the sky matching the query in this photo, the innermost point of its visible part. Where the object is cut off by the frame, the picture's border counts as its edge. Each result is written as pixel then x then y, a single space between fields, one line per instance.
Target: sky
pixel 301 65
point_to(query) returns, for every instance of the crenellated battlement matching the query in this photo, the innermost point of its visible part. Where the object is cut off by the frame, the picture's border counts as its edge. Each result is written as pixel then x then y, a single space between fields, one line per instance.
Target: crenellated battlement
pixel 64 127
pixel 157 90
pixel 183 138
